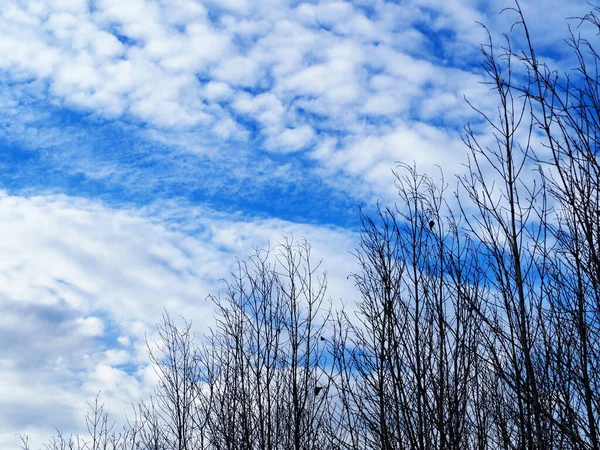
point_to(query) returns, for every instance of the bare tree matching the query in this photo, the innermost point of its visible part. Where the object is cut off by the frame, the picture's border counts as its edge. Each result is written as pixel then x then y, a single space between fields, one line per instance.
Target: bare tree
pixel 481 331
pixel 176 416
pixel 101 434
pixel 539 232
pixel 405 361
pixel 269 373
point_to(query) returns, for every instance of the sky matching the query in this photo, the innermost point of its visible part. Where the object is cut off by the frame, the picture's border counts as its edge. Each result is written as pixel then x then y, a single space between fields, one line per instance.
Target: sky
pixel 147 144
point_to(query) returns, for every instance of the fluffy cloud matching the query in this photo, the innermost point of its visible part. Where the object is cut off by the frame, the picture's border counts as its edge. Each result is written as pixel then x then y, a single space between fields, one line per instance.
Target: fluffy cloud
pixel 81 285
pixel 263 109
pixel 284 73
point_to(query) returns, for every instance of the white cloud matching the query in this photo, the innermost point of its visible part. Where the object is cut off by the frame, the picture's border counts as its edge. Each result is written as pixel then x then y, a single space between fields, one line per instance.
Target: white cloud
pixel 352 86
pixel 283 76
pixel 217 90
pixel 90 326
pixel 239 71
pixel 292 139
pixel 81 284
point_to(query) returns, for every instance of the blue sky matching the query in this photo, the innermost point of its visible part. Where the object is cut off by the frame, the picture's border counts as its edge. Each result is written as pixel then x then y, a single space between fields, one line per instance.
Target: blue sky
pixel 147 143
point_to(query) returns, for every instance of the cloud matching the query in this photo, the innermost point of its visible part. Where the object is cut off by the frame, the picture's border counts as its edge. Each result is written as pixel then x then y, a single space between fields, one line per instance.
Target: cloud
pixel 147 143
pixel 285 76
pixel 279 77
pixel 292 139
pixel 81 284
